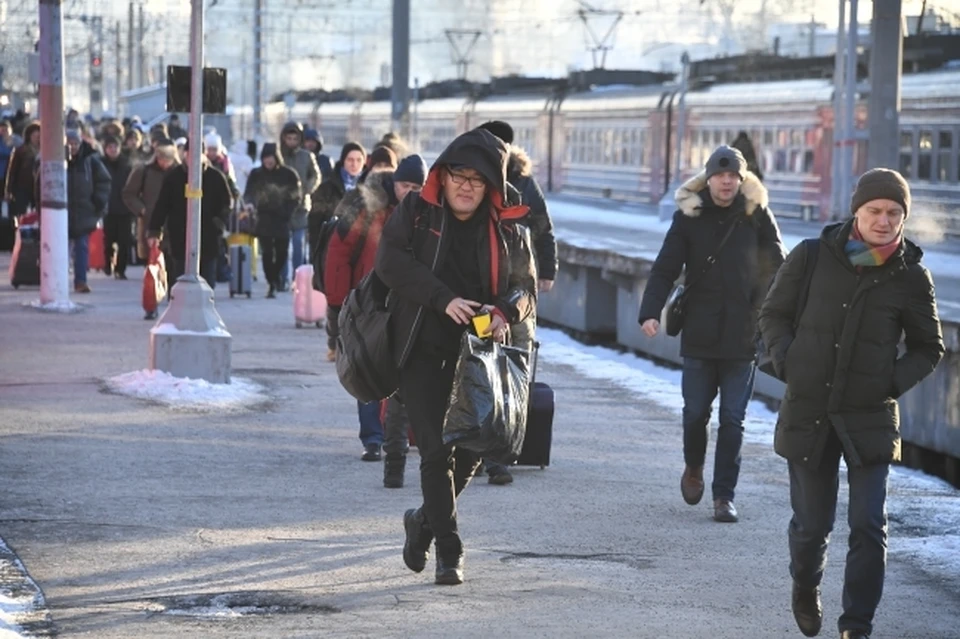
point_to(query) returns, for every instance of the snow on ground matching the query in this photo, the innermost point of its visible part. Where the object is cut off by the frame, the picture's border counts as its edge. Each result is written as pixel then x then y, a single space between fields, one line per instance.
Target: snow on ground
pixel 942 263
pixel 22 605
pixel 188 394
pixel 925 510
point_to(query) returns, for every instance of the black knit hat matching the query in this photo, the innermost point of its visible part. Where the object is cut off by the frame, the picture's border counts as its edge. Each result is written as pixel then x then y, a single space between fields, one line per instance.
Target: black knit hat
pixel 351 146
pixel 881 184
pixel 500 129
pixel 726 158
pixel 411 169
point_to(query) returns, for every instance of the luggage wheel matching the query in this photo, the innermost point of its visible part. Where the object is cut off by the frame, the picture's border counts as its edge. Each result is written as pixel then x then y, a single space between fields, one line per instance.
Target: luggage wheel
pixel 319 325
pixel 231 294
pixel 249 293
pixel 16 287
pixel 299 324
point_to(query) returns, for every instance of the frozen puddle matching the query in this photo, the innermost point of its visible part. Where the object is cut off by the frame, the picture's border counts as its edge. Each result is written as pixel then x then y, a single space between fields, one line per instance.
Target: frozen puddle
pixel 235 605
pixel 188 394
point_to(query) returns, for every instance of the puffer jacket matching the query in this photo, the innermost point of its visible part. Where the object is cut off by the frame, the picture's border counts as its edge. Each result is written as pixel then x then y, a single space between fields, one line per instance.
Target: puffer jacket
pixel 520 175
pixel 119 170
pixel 841 363
pixel 721 320
pixel 305 164
pixel 88 191
pixel 325 202
pixel 415 241
pixel 140 194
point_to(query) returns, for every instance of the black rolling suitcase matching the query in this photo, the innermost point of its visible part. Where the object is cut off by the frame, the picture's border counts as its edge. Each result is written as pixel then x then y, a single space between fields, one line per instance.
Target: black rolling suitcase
pixel 25 262
pixel 539 437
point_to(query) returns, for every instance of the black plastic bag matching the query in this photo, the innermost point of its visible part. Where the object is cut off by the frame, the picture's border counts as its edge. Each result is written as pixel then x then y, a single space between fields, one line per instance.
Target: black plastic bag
pixel 365 363
pixel 487 412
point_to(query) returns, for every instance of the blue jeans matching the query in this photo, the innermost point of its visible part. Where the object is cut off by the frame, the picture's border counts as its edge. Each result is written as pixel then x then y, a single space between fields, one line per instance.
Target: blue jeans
pixel 297 253
pixel 813 495
pixel 702 379
pixel 371 430
pixel 81 259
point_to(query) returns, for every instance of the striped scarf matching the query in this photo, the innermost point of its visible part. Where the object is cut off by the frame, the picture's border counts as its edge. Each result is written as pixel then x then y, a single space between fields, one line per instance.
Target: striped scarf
pixel 862 254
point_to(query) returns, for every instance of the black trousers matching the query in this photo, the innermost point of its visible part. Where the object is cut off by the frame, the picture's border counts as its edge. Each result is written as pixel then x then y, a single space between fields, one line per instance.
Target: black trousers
pixel 118 229
pixel 444 470
pixel 275 251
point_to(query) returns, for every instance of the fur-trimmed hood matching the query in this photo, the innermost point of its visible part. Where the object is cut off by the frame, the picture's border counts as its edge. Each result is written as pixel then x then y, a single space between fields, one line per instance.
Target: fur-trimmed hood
pixel 519 163
pixel 690 202
pixel 376 191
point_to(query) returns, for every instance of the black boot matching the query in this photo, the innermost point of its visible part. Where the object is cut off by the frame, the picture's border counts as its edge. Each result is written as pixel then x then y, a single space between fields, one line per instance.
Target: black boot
pixel 449 562
pixel 807 609
pixel 416 548
pixel 271 293
pixel 393 467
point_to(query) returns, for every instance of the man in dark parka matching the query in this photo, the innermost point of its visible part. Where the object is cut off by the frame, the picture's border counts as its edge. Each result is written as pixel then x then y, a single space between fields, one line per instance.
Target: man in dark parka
pixel 718 340
pixel 844 373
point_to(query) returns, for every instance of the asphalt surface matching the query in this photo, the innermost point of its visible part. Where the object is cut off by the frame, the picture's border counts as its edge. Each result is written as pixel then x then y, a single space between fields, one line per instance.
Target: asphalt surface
pixel 122 510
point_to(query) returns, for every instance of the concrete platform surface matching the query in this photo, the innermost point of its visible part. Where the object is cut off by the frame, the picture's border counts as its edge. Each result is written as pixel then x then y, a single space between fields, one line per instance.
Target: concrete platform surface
pixel 127 513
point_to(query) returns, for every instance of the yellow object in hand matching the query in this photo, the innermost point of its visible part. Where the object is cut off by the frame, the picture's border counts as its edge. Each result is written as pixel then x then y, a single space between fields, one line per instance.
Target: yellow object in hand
pixel 481 324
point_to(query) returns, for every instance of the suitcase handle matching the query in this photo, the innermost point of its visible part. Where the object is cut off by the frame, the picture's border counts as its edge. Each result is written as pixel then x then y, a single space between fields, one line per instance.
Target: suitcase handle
pixel 534 360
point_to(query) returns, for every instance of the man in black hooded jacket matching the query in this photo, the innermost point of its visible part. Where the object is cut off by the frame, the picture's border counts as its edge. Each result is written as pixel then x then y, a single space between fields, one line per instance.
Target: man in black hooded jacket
pixel 446 254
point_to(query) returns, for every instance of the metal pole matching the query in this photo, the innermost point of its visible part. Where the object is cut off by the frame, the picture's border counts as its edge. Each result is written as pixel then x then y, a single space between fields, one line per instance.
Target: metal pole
pixel 850 97
pixel 190 339
pixel 258 8
pixel 681 119
pixel 194 167
pixel 886 63
pixel 115 107
pixel 836 187
pixel 415 132
pixel 54 256
pixel 400 92
pixel 130 39
pixel 141 56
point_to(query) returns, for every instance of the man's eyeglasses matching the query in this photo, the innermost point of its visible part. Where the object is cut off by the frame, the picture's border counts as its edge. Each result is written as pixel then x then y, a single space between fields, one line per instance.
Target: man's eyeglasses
pixel 460 179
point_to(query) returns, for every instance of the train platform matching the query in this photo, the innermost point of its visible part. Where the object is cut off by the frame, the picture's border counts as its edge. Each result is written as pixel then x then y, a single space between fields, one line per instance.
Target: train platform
pixel 635 230
pixel 140 519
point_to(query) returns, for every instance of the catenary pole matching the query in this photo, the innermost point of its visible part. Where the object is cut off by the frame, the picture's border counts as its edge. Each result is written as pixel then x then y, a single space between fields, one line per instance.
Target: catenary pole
pixel 836 187
pixel 54 256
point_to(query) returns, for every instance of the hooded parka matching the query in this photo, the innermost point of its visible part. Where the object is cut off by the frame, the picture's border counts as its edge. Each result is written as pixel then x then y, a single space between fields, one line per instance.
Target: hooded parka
pixel 275 194
pixel 88 191
pixel 520 176
pixel 415 241
pixel 721 321
pixel 841 364
pixel 305 164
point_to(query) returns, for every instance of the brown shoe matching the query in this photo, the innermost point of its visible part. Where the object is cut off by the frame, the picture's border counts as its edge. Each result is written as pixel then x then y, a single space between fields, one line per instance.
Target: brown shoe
pixel 331 355
pixel 724 511
pixel 691 484
pixel 81 288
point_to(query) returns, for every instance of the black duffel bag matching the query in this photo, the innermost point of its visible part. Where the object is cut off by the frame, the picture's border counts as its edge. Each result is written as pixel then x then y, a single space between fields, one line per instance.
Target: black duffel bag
pixel 365 363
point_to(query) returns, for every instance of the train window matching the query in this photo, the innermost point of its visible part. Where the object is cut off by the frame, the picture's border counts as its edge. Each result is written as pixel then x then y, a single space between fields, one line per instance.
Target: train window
pixel 782 138
pixel 768 137
pixel 946 146
pixel 808 161
pixel 906 141
pixel 795 158
pixel 925 156
pixel 796 137
pixel 780 161
pixel 906 154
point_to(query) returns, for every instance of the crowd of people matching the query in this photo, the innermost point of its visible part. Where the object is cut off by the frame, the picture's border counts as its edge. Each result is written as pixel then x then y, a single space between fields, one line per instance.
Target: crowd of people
pixel 472 235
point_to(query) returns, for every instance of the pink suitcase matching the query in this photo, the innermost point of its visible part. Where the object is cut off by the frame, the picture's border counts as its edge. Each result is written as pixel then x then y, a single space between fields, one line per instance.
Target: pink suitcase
pixel 309 305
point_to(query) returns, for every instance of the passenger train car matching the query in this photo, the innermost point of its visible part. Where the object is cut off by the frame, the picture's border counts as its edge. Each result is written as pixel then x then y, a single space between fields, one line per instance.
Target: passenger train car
pixel 615 141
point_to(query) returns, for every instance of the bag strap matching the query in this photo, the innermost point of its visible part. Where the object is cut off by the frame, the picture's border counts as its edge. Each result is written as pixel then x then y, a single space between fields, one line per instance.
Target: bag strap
pixel 809 265
pixel 713 257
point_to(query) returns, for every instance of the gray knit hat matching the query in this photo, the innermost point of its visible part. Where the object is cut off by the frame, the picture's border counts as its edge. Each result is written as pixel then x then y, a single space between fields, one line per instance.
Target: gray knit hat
pixel 726 158
pixel 881 184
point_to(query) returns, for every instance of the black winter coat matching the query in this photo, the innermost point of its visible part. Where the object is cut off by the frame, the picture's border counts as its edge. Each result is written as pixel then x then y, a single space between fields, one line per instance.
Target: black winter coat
pixel 276 196
pixel 119 170
pixel 415 242
pixel 841 364
pixel 722 308
pixel 171 210
pixel 520 175
pixel 88 191
pixel 325 201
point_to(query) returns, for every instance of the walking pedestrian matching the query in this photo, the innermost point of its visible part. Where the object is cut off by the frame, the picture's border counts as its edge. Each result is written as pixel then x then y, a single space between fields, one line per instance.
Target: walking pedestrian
pixel 839 356
pixel 19 190
pixel 726 240
pixel 142 191
pixel 447 254
pixel 273 192
pixel 118 222
pixel 313 142
pixel 305 164
pixel 88 194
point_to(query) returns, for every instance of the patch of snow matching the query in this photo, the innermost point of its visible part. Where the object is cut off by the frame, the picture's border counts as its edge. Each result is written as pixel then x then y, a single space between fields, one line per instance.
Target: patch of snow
pixel 219 612
pixel 21 600
pixel 188 394
pixel 926 510
pixel 56 307
pixel 170 329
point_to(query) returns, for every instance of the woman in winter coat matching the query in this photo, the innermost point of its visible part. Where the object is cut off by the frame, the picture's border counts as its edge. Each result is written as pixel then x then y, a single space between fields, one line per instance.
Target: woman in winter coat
pixel 142 189
pixel 346 175
pixel 19 189
pixel 273 191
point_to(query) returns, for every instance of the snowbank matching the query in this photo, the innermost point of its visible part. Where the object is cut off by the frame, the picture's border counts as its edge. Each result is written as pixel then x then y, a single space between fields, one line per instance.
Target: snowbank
pixel 22 605
pixel 924 511
pixel 56 307
pixel 188 394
